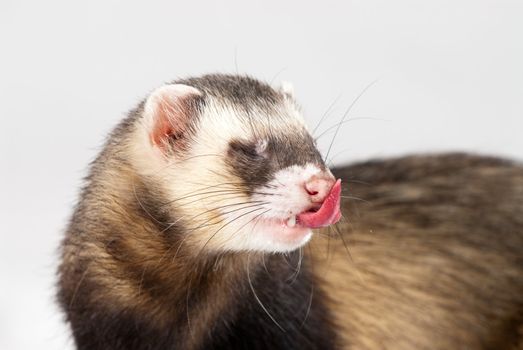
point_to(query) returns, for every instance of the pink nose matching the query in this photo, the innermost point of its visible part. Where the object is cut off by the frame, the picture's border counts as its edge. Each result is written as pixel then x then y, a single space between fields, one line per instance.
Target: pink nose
pixel 318 187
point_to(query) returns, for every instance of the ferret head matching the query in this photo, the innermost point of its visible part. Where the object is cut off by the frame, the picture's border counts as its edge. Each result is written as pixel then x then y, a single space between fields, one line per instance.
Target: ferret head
pixel 236 163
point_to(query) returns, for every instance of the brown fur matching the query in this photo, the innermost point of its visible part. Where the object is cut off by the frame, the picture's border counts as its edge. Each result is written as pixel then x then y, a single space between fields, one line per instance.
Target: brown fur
pixel 435 242
pixel 436 259
pixel 127 281
pixel 436 247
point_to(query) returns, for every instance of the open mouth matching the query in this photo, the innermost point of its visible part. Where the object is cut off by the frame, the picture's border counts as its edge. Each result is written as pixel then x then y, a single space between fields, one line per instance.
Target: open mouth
pixel 296 230
pixel 327 214
pixel 286 234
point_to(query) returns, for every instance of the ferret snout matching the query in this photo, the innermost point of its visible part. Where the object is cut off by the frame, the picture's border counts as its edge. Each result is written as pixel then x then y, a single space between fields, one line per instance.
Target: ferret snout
pixel 319 186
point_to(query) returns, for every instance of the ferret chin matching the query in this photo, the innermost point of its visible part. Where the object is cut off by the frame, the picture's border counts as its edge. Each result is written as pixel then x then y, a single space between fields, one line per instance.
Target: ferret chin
pixel 194 230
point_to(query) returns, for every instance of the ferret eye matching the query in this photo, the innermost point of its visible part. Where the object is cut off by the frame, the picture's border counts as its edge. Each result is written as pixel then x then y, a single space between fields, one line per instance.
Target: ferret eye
pixel 249 150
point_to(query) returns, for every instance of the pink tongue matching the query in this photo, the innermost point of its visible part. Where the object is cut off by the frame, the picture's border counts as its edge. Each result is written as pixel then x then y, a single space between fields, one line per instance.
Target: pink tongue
pixel 328 214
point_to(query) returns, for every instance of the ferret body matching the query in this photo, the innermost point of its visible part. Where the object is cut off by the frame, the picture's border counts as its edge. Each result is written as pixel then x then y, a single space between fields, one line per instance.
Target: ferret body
pixel 194 229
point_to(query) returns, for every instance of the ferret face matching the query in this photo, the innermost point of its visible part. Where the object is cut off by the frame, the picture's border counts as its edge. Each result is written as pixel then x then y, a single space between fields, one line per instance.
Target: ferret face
pixel 236 163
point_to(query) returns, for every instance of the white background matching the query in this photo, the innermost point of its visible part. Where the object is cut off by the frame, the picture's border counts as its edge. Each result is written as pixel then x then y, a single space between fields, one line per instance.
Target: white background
pixel 450 77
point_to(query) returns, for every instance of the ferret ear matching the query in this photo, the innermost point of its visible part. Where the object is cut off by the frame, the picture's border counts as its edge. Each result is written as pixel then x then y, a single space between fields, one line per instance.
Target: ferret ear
pixel 168 111
pixel 287 89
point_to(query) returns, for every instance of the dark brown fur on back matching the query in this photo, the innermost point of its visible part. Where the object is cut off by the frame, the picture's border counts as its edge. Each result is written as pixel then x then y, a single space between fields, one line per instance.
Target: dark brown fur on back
pixel 436 246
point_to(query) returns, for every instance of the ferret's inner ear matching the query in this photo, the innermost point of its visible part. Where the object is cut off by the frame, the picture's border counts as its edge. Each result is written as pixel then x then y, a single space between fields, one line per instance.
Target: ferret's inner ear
pixel 168 112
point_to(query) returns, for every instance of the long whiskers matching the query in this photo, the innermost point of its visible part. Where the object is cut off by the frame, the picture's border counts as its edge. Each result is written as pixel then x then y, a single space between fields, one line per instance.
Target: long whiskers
pixel 355 198
pixel 329 129
pixel 234 184
pixel 346 114
pixel 308 306
pixel 297 269
pixel 207 223
pixel 325 114
pixel 218 208
pixel 228 223
pixel 257 298
pixel 311 293
pixel 255 218
pixel 214 193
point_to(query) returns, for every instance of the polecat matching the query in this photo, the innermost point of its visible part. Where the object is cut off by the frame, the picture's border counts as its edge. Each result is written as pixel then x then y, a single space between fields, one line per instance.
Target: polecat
pixel 193 230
